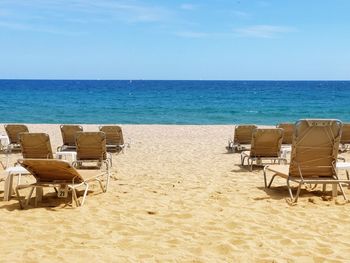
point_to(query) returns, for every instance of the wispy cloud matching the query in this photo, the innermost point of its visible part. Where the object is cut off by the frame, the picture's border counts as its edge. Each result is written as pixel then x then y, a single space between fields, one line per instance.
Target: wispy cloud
pixel 187 6
pixel 241 14
pixel 191 34
pixel 263 31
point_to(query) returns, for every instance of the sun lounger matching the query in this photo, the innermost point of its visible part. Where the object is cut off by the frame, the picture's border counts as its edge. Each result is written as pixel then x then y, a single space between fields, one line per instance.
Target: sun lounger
pixel 13 130
pixel 242 138
pixel 288 130
pixel 35 146
pixel 345 137
pixel 313 157
pixel 114 138
pixel 266 145
pixel 58 174
pixel 68 137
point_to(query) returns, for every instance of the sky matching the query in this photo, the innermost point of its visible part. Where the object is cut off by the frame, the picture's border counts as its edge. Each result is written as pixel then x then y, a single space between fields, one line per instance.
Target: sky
pixel 176 40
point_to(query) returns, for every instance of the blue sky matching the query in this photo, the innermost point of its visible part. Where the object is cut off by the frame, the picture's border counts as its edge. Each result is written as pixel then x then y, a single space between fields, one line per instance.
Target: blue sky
pixel 138 39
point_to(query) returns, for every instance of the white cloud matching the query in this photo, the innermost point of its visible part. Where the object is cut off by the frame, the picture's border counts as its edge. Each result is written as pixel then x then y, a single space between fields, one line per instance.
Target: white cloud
pixel 191 34
pixel 187 6
pixel 263 31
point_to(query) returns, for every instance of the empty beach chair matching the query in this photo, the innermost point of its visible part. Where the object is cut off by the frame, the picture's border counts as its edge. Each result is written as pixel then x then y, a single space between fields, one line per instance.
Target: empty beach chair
pixel 313 158
pixel 242 138
pixel 35 146
pixel 345 137
pixel 59 175
pixel 114 138
pixel 13 130
pixel 288 130
pixel 68 133
pixel 266 145
pixel 91 148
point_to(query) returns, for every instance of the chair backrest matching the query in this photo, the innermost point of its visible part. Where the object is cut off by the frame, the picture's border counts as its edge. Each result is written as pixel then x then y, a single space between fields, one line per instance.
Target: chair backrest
pixel 68 134
pixel 35 145
pixel 114 134
pixel 288 130
pixel 243 133
pixel 345 135
pixel 91 146
pixel 13 130
pixel 315 148
pixel 51 170
pixel 266 142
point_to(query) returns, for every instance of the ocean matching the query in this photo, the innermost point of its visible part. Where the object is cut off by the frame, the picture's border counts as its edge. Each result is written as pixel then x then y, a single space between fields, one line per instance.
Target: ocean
pixel 171 102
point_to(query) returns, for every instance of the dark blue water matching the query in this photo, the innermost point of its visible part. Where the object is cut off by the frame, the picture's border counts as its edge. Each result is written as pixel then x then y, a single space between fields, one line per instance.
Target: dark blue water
pixel 171 102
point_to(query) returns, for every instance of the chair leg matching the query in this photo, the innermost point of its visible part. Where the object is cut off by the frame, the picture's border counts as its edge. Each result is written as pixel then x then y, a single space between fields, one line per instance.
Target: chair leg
pixel 85 193
pixel 342 191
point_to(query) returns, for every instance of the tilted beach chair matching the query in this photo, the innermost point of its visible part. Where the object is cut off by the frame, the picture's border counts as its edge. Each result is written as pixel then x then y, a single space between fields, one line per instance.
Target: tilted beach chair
pixel 91 148
pixel 35 145
pixel 114 138
pixel 313 158
pixel 288 130
pixel 242 138
pixel 13 130
pixel 345 138
pixel 68 137
pixel 266 145
pixel 57 174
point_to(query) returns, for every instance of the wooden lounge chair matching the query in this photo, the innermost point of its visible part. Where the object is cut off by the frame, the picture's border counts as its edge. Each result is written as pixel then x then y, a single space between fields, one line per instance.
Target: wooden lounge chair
pixel 13 130
pixel 288 130
pixel 114 138
pixel 91 148
pixel 266 144
pixel 345 138
pixel 57 174
pixel 35 146
pixel 68 137
pixel 313 158
pixel 242 138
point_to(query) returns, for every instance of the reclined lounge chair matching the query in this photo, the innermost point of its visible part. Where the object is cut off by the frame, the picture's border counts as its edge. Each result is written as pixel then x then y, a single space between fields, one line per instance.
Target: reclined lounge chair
pixel 266 145
pixel 13 130
pixel 242 138
pixel 313 158
pixel 57 174
pixel 345 138
pixel 288 130
pixel 114 138
pixel 68 137
pixel 35 146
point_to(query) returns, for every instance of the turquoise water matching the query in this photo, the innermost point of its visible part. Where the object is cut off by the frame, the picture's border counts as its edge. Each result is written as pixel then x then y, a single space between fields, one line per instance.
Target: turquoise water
pixel 171 102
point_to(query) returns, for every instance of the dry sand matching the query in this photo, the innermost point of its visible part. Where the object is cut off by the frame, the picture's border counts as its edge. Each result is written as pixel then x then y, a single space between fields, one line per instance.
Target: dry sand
pixel 178 197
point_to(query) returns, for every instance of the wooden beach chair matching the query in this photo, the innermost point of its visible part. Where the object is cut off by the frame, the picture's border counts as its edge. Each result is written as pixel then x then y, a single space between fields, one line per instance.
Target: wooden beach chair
pixel 288 130
pixel 91 149
pixel 266 145
pixel 114 138
pixel 313 158
pixel 68 133
pixel 35 146
pixel 345 138
pixel 57 174
pixel 242 138
pixel 13 130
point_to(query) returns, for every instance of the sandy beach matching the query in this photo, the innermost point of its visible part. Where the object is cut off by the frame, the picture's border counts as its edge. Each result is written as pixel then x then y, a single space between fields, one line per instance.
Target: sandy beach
pixel 178 197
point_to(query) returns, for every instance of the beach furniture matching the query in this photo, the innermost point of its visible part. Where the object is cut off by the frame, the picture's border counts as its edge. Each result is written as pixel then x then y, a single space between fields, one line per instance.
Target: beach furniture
pixel 13 130
pixel 35 146
pixel 313 158
pixel 265 145
pixel 345 137
pixel 242 138
pixel 114 138
pixel 288 130
pixel 60 175
pixel 91 148
pixel 68 137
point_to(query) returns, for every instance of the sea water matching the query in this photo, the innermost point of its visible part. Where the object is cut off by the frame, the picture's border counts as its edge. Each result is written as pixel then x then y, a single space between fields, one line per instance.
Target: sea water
pixel 171 102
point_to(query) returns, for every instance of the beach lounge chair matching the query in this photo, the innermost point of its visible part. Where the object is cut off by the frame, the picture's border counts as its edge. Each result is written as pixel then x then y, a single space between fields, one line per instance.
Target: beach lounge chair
pixel 57 174
pixel 114 138
pixel 13 130
pixel 242 138
pixel 91 148
pixel 345 137
pixel 313 158
pixel 288 130
pixel 35 146
pixel 266 144
pixel 68 137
